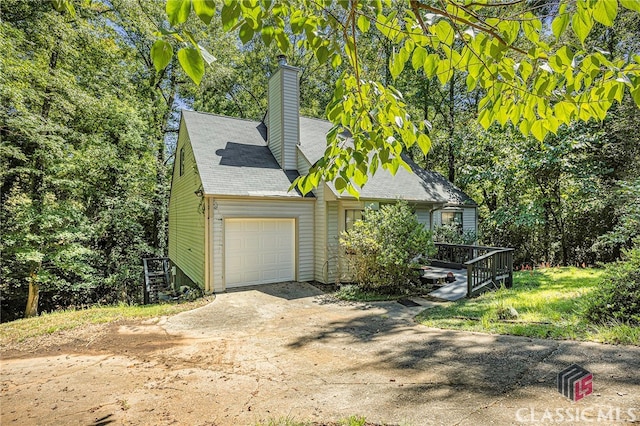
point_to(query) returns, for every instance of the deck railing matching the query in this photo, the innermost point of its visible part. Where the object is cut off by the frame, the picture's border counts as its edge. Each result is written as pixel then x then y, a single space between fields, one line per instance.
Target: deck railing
pixel 486 266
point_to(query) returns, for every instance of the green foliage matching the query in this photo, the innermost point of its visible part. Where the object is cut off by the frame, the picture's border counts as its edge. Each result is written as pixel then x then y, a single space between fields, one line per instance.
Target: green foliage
pixel 627 211
pixel 70 319
pixel 453 234
pixel 617 298
pixel 549 303
pixel 382 248
pixel 534 67
pixel 354 293
pixel 353 421
pixel 556 201
pixel 82 170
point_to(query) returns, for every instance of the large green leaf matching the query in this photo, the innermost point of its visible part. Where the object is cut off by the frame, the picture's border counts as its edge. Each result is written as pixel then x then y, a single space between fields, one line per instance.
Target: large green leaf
pixel 363 23
pixel 161 53
pixel 246 33
pixel 431 64
pixel 631 4
pixel 192 63
pixel 582 22
pixel 560 22
pixel 230 14
pixel 178 11
pixel 424 143
pixel 322 54
pixel 636 96
pixel 64 6
pixel 605 11
pixel 444 32
pixel 538 130
pixel 205 9
pixel 419 55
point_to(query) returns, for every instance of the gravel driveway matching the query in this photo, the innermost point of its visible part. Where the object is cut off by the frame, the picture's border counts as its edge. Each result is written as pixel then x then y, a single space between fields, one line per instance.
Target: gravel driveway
pixel 287 351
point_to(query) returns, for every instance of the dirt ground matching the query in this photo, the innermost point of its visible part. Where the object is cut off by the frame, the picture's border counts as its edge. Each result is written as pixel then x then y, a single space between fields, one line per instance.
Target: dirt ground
pixel 288 352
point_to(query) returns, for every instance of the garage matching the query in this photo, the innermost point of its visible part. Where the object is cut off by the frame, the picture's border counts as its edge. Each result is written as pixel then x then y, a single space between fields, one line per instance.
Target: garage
pixel 259 251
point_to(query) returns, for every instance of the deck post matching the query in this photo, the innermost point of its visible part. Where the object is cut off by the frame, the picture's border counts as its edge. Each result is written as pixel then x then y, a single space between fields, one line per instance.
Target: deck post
pixel 510 266
pixel 469 280
pixel 494 270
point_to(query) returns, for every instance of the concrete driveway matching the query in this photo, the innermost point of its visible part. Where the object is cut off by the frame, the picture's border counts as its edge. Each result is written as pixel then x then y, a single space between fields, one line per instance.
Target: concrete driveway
pixel 286 351
pixel 289 351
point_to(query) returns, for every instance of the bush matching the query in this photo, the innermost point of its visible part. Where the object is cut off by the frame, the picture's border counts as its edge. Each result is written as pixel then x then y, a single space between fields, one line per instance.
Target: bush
pixel 382 249
pixel 617 300
pixel 452 234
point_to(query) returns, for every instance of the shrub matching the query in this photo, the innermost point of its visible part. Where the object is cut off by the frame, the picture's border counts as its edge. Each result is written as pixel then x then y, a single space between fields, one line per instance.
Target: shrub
pixel 382 249
pixel 452 234
pixel 617 300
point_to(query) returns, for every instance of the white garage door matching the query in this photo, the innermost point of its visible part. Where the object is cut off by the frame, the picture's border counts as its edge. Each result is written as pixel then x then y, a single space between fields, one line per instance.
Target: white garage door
pixel 259 251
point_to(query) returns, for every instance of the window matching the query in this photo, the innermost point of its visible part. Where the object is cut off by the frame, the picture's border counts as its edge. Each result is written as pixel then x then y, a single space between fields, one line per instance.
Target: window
pixel 351 217
pixel 452 218
pixel 181 161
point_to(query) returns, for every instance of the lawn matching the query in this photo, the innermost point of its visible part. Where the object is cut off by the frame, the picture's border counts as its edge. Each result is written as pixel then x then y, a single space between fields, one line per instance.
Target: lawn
pixel 548 302
pixel 48 323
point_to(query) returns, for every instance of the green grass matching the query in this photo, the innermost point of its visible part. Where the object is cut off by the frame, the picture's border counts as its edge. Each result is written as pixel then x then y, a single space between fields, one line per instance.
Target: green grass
pixel 48 323
pixel 289 421
pixel 352 293
pixel 549 303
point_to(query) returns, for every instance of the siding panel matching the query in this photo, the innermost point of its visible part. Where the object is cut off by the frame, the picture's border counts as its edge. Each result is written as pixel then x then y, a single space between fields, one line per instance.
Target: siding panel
pixel 186 216
pixel 320 235
pixel 274 127
pixel 291 117
pixel 469 218
pixel 424 217
pixel 437 218
pixel 333 243
pixel 303 165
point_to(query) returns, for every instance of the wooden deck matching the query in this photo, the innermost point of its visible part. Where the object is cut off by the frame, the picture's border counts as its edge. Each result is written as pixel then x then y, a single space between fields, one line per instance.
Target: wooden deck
pixel 449 291
pixel 476 268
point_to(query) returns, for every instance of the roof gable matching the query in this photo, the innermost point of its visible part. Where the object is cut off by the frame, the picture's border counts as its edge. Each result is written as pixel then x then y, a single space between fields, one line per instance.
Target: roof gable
pixel 233 158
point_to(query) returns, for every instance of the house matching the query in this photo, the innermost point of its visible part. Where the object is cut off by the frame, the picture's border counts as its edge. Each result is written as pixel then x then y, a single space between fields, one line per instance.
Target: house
pixel 232 219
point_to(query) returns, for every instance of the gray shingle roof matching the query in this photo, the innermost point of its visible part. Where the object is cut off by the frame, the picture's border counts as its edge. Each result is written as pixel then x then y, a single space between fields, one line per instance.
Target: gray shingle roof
pixel 421 185
pixel 233 159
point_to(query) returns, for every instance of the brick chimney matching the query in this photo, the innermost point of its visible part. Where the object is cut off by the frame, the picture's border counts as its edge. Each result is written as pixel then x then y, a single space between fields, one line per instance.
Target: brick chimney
pixel 284 114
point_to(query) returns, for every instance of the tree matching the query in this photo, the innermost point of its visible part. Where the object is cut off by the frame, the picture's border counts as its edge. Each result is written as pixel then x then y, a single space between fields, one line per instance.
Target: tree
pixel 515 52
pixel 82 155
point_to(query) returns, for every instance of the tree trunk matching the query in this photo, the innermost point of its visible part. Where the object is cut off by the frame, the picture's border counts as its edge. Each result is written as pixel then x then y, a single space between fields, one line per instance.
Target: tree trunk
pixel 160 214
pixel 452 123
pixel 546 244
pixel 34 295
pixel 37 189
pixel 46 104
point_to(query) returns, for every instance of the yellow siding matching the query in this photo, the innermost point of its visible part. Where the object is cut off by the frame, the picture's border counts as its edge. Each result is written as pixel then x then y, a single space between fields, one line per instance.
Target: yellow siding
pixel 186 215
pixel 320 236
pixel 321 263
pixel 333 243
